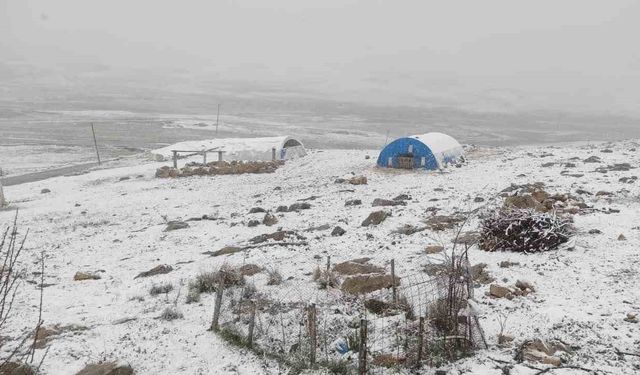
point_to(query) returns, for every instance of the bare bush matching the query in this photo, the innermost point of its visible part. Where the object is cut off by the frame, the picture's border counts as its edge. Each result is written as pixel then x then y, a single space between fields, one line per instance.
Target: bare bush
pixel 163 288
pixel 275 278
pixel 325 278
pixel 171 313
pixel 525 231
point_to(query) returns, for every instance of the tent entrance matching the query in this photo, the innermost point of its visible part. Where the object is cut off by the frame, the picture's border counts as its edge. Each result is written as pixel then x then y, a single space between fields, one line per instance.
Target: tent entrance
pixel 405 162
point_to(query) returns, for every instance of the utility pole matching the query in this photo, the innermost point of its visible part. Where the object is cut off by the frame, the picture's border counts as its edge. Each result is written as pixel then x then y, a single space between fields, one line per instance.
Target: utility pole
pixel 217 119
pixel 95 143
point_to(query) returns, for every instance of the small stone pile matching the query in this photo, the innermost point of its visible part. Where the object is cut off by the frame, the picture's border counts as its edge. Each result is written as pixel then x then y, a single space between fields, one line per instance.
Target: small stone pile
pixel 219 168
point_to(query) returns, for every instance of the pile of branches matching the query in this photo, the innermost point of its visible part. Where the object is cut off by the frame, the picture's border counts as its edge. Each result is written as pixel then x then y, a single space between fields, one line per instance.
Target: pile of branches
pixel 524 231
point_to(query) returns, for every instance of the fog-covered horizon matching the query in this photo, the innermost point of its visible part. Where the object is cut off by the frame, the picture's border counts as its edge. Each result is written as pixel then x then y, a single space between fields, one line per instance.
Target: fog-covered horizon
pixel 493 55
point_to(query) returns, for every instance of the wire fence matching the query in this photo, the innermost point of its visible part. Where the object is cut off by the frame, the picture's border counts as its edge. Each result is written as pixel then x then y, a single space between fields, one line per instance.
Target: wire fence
pixel 407 324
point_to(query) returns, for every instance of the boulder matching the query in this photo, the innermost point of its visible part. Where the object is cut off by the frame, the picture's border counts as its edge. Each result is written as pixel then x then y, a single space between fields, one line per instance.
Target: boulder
pixel 157 270
pixel 257 210
pixel 253 223
pixel 500 291
pixel 45 191
pixel 282 209
pixel 386 202
pixel 375 218
pixel 269 220
pixel 362 284
pixel 299 206
pixel 525 284
pixel 80 276
pixel 353 202
pixel 358 180
pixel 226 250
pixel 106 368
pixel 622 237
pixel 175 225
pixel 338 231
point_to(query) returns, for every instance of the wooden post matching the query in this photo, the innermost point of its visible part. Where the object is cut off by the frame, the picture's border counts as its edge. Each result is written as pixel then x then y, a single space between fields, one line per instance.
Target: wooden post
pixel 328 262
pixel 217 119
pixel 175 159
pixel 2 201
pixel 394 293
pixel 218 305
pixel 204 157
pixel 273 153
pixel 362 354
pixel 219 155
pixel 420 340
pixel 95 143
pixel 312 333
pixel 252 323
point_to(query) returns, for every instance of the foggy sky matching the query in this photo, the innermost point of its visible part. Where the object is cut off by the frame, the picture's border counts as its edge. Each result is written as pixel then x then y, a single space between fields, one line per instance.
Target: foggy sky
pixel 543 54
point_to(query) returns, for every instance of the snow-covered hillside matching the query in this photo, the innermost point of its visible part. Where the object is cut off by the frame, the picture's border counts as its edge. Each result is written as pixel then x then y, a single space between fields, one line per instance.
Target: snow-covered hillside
pixel 112 223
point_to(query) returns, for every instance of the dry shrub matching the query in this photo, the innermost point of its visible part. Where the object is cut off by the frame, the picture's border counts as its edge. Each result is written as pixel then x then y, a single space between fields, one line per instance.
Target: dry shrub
pixel 275 278
pixel 525 231
pixel 325 278
pixel 171 313
pixel 163 288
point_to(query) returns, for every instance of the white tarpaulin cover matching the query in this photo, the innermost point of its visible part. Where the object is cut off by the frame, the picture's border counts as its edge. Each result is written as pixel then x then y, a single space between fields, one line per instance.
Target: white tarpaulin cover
pixel 240 148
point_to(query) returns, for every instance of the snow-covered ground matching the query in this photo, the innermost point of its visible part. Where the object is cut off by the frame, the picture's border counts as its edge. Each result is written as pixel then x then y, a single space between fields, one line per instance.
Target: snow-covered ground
pixel 99 223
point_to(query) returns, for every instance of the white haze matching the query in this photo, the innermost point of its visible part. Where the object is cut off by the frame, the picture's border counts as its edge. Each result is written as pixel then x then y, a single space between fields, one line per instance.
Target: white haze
pixel 490 55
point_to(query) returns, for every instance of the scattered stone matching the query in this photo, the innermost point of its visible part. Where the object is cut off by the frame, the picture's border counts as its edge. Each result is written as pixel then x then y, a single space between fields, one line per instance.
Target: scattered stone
pixel 622 237
pixel 478 199
pixel 45 191
pixel 226 250
pixel 595 231
pixel 500 291
pixel 250 269
pixel 282 209
pixel 542 352
pixel 628 180
pixel 358 180
pixel 80 276
pixel 386 202
pixel 434 249
pixel 606 151
pixel 253 223
pixel 157 270
pixel 356 267
pixel 632 317
pixel 592 159
pixel 480 274
pixel 106 368
pixel 353 202
pixel 409 229
pixel 504 339
pixel 337 231
pixel 507 264
pixel 524 285
pixel 299 206
pixel 442 222
pixel 603 193
pixel 257 210
pixel 269 220
pixel 317 228
pixel 363 284
pixel 276 236
pixel 375 218
pixel 124 178
pixel 547 165
pixel 175 225
pixel 402 197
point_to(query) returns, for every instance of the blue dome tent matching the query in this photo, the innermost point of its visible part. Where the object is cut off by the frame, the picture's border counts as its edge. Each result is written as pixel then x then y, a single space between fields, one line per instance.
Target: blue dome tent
pixel 427 151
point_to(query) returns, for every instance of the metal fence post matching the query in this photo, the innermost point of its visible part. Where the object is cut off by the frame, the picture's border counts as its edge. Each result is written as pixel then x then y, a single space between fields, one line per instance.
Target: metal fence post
pixel 204 158
pixel 175 159
pixel 2 201
pixel 362 354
